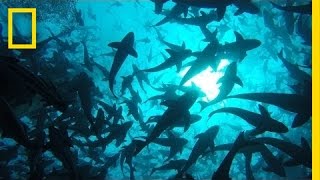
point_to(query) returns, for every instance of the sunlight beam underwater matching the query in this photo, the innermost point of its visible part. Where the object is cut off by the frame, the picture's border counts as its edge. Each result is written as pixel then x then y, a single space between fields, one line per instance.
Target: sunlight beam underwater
pixel 207 80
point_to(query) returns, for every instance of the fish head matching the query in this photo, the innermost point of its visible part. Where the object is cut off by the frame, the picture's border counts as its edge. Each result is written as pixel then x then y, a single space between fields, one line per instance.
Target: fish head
pixel 128 40
pixel 253 43
pixel 213 131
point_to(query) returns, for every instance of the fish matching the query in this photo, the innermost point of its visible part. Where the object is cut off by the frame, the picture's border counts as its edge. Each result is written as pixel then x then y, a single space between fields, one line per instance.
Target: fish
pixel 300 104
pixel 134 109
pixel 176 144
pixel 176 59
pixel 220 5
pixel 302 9
pixel 30 82
pixel 124 48
pixel 126 83
pixel 88 61
pixel 209 36
pixel 126 156
pixel 254 147
pixel 175 12
pixel 116 132
pixel 224 168
pixel 179 123
pixel 176 109
pixel 245 6
pixel 59 145
pixel 263 121
pixel 299 154
pixel 141 76
pixel 113 111
pixel 158 5
pixel 144 40
pixel 227 82
pixel 205 141
pixel 237 50
pixel 173 164
pixel 11 127
pixel 294 71
pixel 204 59
pixel 201 20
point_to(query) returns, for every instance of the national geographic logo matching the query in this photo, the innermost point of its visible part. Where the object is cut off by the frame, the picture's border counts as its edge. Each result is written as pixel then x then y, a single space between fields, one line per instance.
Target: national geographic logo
pixel 33 44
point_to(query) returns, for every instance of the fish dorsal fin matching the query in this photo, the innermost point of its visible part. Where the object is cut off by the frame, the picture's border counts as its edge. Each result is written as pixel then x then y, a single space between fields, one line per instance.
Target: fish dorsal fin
pixel 305 144
pixel 183 45
pixel 264 112
pixel 238 36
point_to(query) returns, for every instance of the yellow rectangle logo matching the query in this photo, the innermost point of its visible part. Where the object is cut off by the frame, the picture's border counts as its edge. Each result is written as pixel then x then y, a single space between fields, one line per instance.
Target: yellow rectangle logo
pixel 33 44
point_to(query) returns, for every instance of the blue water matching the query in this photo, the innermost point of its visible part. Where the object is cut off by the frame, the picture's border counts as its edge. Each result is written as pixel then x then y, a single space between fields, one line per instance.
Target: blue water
pixel 260 71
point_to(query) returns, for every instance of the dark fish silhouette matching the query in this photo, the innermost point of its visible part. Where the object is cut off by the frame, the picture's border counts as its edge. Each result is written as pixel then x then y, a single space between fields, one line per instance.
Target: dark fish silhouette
pixel 124 48
pixel 201 20
pixel 176 109
pixel 158 5
pixel 300 104
pixel 245 6
pixel 221 5
pixel 228 81
pixel 263 121
pixel 10 126
pixel 303 9
pixel 299 154
pixel 205 141
pixel 175 12
pixel 173 164
pixel 176 58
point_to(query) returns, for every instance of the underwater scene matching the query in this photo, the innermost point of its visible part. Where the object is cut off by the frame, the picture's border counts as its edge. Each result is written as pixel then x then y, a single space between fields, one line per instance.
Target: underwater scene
pixel 156 89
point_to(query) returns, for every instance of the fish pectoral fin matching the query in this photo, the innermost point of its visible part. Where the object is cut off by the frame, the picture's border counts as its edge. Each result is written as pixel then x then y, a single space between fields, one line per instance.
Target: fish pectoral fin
pixel 116 45
pixel 238 81
pixel 179 65
pixel 242 55
pixel 132 52
pixel 299 120
pixel 187 120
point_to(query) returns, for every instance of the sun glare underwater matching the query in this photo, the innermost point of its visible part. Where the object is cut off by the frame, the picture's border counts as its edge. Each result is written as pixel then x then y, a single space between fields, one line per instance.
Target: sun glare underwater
pixel 118 89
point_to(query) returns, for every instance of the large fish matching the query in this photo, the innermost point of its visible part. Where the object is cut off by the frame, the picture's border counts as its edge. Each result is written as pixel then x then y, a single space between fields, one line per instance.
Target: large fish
pixel 124 48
